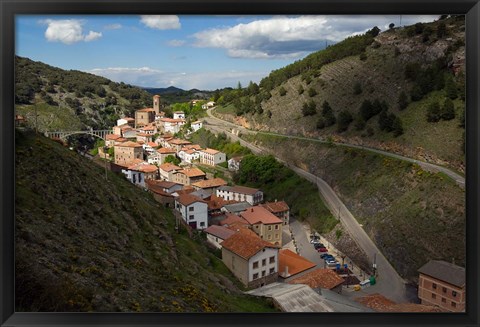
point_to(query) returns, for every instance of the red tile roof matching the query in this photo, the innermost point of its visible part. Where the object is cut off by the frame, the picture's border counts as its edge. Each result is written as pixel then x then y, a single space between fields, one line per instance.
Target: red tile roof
pixel 188 199
pixel 216 202
pixel 245 245
pixel 380 303
pixel 109 137
pixel 146 110
pixel 211 151
pixel 152 144
pixel 231 219
pixel 319 278
pixel 295 263
pixel 259 214
pixel 192 172
pixel 129 144
pixel 179 142
pixel 219 231
pixel 276 207
pixel 209 183
pixel 169 167
pixel 166 150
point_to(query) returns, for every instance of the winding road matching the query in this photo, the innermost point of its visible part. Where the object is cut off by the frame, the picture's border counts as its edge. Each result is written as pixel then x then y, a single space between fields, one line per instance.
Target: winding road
pixel 389 283
pixel 459 179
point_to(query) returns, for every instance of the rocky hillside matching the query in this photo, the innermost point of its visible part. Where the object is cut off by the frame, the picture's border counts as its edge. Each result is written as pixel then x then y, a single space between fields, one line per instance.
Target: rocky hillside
pixel 86 244
pixel 412 215
pixel 72 99
pixel 401 90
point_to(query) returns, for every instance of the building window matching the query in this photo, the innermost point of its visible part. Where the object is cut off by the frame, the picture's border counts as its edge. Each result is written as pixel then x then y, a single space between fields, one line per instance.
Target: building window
pixel 434 296
pixel 190 209
pixel 454 293
pixel 255 276
pixel 264 262
pixel 191 217
pixel 272 270
pixel 444 300
pixel 264 273
pixel 454 305
pixel 434 286
pixel 202 224
pixel 272 259
pixel 255 265
pixel 269 237
pixel 276 227
pixel 444 289
pixel 269 227
pixel 277 236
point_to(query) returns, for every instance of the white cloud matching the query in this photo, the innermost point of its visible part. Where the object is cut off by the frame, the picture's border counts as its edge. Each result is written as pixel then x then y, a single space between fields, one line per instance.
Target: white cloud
pixel 291 37
pixel 176 43
pixel 150 77
pixel 161 22
pixel 92 36
pixel 113 27
pixel 68 31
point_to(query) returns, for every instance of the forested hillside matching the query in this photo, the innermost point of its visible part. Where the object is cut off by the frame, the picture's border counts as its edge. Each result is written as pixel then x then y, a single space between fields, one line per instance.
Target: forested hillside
pixel 401 90
pixel 70 99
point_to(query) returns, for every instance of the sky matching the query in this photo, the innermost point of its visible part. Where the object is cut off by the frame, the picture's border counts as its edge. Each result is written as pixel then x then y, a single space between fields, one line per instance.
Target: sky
pixel 202 52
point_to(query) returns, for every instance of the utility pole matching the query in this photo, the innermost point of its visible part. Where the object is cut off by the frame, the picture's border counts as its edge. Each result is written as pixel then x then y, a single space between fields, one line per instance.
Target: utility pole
pixel 375 264
pixel 105 157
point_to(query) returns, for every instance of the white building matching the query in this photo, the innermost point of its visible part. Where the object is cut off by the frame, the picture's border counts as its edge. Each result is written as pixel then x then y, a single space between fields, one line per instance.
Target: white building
pixel 234 163
pixel 196 125
pixel 254 265
pixel 189 155
pixel 172 125
pixel 212 157
pixel 208 105
pixel 178 115
pixel 240 193
pixel 217 234
pixel 193 210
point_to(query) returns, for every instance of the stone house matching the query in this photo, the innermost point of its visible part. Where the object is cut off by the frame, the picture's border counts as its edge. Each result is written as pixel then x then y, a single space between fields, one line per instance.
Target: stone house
pixel 264 224
pixel 252 260
pixel 126 152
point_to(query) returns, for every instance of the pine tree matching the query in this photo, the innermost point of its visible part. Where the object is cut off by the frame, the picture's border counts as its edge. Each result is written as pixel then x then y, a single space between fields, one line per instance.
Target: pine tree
pixel 402 100
pixel 433 112
pixel 448 110
pixel 451 88
pixel 397 127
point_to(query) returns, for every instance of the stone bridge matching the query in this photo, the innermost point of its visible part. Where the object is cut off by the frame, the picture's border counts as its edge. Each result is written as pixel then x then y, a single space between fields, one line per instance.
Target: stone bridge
pixel 62 135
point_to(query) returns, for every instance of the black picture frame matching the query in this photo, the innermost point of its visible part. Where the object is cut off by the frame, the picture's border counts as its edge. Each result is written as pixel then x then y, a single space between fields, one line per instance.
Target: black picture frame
pixel 10 8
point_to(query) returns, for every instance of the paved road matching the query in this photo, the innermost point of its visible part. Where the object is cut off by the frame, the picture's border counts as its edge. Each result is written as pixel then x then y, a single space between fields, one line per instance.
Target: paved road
pixel 389 283
pixel 460 180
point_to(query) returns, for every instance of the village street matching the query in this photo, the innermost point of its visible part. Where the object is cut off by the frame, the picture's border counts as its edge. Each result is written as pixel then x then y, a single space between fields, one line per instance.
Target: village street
pixel 389 283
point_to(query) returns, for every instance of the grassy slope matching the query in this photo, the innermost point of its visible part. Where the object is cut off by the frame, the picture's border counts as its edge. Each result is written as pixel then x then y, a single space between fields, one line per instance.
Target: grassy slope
pixel 84 244
pixel 381 76
pixel 412 215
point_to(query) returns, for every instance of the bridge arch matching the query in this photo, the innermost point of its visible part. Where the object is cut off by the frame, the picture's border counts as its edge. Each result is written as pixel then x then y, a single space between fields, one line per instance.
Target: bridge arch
pixel 64 134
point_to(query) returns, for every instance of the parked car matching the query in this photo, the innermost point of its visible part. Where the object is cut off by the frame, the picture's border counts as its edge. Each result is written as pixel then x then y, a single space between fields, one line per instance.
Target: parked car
pixel 332 264
pixel 315 241
pixel 325 255
pixel 322 249
pixel 318 245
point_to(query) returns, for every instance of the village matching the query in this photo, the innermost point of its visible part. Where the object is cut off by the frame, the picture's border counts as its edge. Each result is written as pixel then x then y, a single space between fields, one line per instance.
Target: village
pixel 254 236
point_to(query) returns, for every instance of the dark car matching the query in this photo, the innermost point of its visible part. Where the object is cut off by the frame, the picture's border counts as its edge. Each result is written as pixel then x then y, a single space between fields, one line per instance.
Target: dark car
pixel 325 255
pixel 323 249
pixel 318 245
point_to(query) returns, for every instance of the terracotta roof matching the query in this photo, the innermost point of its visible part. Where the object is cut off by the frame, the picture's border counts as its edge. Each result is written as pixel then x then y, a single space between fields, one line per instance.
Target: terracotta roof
pixel 192 172
pixel 208 183
pixel 216 202
pixel 295 263
pixel 445 271
pixel 231 219
pixel 156 187
pixel 193 146
pixel 148 128
pixel 210 151
pixel 245 245
pixel 126 127
pixel 168 167
pixel 238 227
pixel 143 167
pixel 121 139
pixel 276 207
pixel 259 214
pixel 219 231
pixel 144 134
pixel 129 144
pixel 166 150
pixel 319 278
pixel 146 110
pixel 152 144
pixel 187 191
pixel 109 137
pixel 188 199
pixel 196 122
pixel 380 303
pixel 179 142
